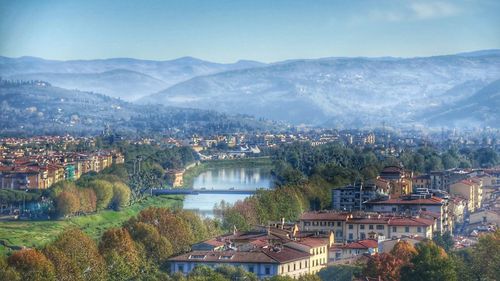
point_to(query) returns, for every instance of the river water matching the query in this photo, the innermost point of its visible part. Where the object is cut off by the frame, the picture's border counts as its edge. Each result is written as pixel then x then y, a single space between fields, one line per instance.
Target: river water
pixel 226 178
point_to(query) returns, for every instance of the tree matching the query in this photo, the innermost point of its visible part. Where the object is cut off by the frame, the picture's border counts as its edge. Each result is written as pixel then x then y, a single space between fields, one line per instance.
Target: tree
pixel 236 273
pixel 104 193
pixel 157 248
pixel 403 251
pixel 384 266
pixel 88 200
pixel 444 241
pixel 67 203
pixel 169 225
pixel 120 253
pixel 121 195
pixel 7 272
pixel 486 256
pixel 430 263
pixel 66 269
pixel 32 265
pixel 82 251
pixel 340 272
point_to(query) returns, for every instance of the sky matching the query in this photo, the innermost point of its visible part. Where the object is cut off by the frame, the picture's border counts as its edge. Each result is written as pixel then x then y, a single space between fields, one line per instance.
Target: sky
pixel 227 31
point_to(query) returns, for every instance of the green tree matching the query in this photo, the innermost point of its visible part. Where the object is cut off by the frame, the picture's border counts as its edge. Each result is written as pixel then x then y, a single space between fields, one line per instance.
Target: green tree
pixel 486 257
pixel 104 193
pixel 430 263
pixel 121 196
pixel 444 241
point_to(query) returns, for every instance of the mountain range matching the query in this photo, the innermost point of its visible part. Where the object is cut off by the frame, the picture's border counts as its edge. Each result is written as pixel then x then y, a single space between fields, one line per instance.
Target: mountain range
pixel 451 90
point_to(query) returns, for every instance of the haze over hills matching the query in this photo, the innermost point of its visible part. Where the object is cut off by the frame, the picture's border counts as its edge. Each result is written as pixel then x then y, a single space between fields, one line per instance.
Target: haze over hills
pixel 344 92
pixel 334 92
pixel 124 78
pixel 40 108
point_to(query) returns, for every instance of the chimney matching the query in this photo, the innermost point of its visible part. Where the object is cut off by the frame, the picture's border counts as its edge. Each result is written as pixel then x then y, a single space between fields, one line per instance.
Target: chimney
pixel 282 223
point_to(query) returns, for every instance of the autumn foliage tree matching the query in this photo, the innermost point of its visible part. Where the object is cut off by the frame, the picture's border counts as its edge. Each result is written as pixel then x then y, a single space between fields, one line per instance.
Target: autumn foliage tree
pixel 121 254
pixel 82 251
pixel 32 265
pixel 387 266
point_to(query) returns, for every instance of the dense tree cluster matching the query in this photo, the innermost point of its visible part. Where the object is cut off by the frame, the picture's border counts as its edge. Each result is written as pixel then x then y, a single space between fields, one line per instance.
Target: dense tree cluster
pixel 428 261
pixel 89 196
pixel 136 251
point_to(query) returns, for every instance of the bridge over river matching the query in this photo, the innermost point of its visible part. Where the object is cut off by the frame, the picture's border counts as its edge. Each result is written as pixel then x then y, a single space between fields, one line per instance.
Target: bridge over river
pixel 191 191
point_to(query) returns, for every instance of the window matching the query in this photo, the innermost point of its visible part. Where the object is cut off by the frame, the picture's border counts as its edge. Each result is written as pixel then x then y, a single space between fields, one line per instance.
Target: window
pixel 419 229
pixel 351 226
pixel 363 236
pixel 362 226
pixel 394 229
pixel 180 268
pixel 226 257
pixel 250 269
pixel 371 226
pixel 294 268
pixel 380 227
pixel 407 229
pixel 268 270
pixel 338 223
pixel 288 268
pixel 350 236
pixel 197 257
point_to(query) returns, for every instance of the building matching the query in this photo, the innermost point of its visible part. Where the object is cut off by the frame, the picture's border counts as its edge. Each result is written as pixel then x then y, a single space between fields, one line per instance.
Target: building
pixel 422 181
pixel 266 251
pixel 351 250
pixel 264 263
pixel 485 217
pixel 413 205
pixel 351 197
pixel 400 180
pixel 317 249
pixel 362 225
pixel 470 191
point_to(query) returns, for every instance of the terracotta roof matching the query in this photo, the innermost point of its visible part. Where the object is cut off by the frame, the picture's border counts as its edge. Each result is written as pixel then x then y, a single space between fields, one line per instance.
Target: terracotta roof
pixel 410 222
pixel 285 254
pixel 312 242
pixel 324 216
pixel 361 244
pixel 400 201
pixel 265 255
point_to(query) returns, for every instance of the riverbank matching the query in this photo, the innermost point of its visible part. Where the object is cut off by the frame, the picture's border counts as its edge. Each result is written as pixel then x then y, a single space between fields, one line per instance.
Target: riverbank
pixel 191 173
pixel 38 233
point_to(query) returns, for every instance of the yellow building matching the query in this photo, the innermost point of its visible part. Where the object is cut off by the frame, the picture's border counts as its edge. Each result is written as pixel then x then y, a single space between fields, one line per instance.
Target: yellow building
pixel 468 190
pixel 317 248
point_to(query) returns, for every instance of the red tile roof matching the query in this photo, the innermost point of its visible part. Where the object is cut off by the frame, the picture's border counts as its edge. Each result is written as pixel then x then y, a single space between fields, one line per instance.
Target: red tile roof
pixel 361 244
pixel 400 201
pixel 324 216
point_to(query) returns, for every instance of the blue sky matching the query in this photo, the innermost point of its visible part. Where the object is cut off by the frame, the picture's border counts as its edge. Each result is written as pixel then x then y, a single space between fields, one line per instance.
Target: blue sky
pixel 226 31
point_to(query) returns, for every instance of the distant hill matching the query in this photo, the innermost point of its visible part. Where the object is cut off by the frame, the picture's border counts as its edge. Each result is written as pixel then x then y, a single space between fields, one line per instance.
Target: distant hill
pixel 340 92
pixel 40 108
pixel 124 78
pixel 479 109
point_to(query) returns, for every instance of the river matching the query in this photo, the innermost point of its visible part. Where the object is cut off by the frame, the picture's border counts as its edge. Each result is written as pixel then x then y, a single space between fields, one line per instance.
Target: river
pixel 226 178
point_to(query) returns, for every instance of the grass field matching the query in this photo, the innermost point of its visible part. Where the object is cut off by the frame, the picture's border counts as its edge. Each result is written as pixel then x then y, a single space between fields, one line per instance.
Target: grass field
pixel 38 233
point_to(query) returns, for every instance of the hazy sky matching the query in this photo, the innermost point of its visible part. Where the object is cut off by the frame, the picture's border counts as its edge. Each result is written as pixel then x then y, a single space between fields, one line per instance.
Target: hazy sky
pixel 226 31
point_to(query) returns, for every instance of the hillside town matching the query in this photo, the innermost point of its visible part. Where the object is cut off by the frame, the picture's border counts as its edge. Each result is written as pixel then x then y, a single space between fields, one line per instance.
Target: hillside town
pixel 364 219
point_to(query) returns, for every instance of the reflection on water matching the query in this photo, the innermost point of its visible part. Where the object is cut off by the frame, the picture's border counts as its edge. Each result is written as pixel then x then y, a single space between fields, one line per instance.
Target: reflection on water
pixel 225 178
